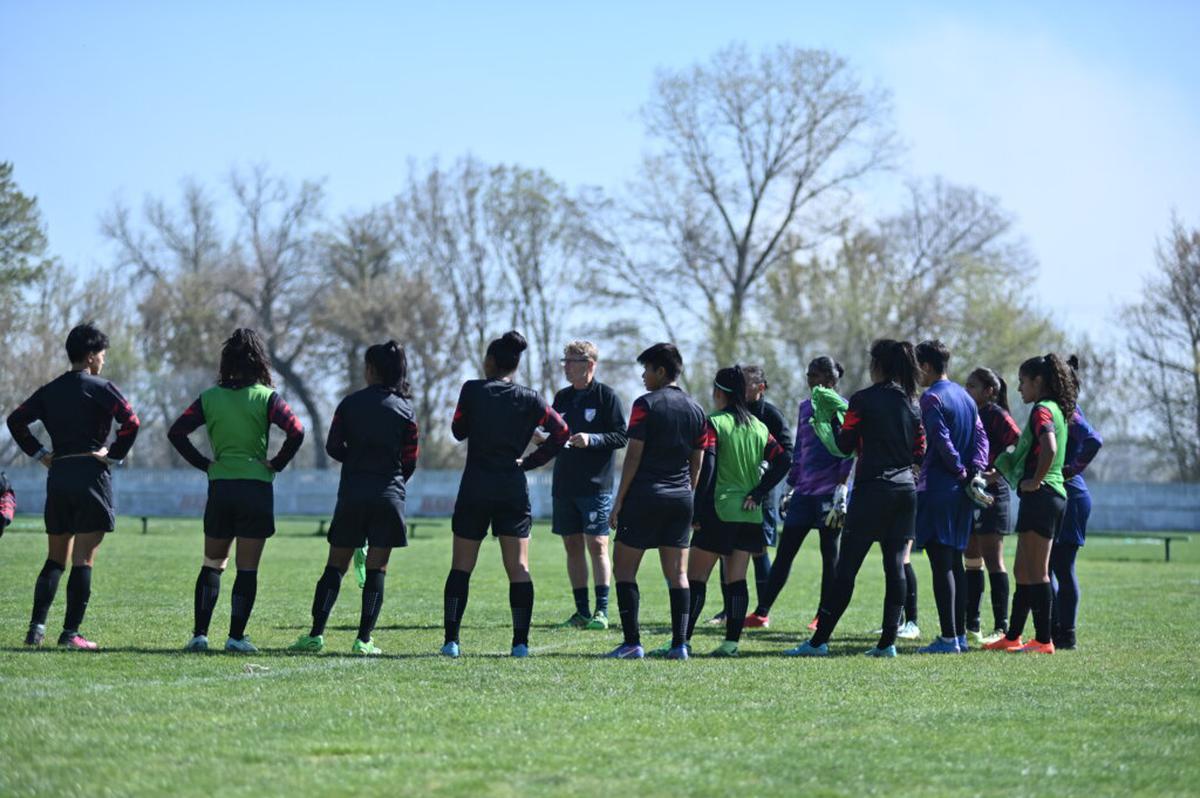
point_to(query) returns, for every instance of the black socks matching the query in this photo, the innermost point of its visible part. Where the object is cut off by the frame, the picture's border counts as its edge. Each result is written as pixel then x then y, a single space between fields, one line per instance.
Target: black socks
pixel 208 587
pixel 372 603
pixel 910 598
pixel 628 599
pixel 681 600
pixel 458 585
pixel 581 600
pixel 245 588
pixel 1020 611
pixel 324 598
pixel 602 599
pixel 999 587
pixel 1041 596
pixel 974 597
pixel 699 591
pixel 44 590
pixel 520 600
pixel 737 602
pixel 79 590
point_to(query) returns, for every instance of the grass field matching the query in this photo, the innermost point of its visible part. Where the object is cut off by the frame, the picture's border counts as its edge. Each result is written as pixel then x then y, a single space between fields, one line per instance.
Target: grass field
pixel 1119 716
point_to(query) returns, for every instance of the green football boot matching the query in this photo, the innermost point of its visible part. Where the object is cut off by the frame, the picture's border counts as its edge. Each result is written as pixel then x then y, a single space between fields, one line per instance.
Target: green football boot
pixel 366 649
pixel 308 643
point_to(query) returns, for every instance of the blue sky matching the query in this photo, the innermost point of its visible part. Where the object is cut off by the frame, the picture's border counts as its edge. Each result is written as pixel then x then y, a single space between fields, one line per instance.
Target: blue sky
pixel 1083 118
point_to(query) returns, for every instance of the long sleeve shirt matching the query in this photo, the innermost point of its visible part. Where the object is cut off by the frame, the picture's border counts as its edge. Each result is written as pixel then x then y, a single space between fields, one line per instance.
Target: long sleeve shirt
pixel 1083 443
pixel 277 412
pixel 957 441
pixel 883 428
pixel 814 472
pixel 597 411
pixel 374 436
pixel 78 410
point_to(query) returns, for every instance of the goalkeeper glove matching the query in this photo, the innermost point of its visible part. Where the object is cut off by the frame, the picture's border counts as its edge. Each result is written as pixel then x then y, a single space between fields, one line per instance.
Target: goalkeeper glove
pixel 837 510
pixel 977 491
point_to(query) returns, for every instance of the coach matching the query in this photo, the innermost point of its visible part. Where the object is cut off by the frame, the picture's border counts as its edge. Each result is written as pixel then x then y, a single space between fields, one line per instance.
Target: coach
pixel 583 475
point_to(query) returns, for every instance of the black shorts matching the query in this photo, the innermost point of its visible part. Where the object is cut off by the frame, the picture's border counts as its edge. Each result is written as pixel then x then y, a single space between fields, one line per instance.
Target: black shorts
pixel 239 508
pixel 724 537
pixel 507 516
pixel 375 520
pixel 651 522
pixel 880 511
pixel 997 519
pixel 79 497
pixel 1041 512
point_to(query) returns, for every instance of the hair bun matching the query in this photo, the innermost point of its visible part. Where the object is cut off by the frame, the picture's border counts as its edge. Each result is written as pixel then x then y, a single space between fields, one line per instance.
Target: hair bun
pixel 1073 362
pixel 515 340
pixel 841 372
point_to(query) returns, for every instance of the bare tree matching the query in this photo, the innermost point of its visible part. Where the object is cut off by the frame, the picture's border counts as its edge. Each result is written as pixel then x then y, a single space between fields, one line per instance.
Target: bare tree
pixel 54 302
pixel 755 158
pixel 949 265
pixel 275 278
pixel 201 281
pixel 541 240
pixel 375 294
pixel 441 219
pixel 1163 331
pixel 177 258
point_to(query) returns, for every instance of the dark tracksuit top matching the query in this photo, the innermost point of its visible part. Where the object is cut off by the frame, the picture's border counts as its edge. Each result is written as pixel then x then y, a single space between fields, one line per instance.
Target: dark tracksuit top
pixel 374 436
pixel 77 409
pixel 671 426
pixel 597 411
pixel 497 419
pixel 883 428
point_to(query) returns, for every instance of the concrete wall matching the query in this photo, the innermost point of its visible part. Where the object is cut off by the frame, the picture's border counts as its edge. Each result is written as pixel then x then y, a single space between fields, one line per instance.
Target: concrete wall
pixel 1116 506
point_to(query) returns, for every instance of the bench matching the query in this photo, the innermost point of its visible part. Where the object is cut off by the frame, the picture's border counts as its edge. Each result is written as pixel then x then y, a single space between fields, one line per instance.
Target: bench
pixel 1165 537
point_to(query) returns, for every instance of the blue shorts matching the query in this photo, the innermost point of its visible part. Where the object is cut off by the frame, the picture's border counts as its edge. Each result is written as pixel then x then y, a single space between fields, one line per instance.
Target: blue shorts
pixel 582 514
pixel 770 512
pixel 1074 523
pixel 944 517
pixel 808 512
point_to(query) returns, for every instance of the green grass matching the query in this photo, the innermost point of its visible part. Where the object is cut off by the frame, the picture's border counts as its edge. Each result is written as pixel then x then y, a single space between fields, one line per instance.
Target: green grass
pixel 1118 716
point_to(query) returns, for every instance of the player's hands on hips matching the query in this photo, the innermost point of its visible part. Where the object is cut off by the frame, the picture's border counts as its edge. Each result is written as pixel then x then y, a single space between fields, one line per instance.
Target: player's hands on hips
pixel 750 503
pixel 540 436
pixel 1029 486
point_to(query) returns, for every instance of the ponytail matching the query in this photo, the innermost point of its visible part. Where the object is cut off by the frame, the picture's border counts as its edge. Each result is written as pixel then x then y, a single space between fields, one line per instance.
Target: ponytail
pixel 1057 379
pixel 731 382
pixel 506 350
pixel 897 362
pixel 390 364
pixel 1073 362
pixel 993 381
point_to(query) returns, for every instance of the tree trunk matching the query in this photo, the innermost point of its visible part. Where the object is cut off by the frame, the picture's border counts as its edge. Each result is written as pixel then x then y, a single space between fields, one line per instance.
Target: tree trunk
pixel 317 433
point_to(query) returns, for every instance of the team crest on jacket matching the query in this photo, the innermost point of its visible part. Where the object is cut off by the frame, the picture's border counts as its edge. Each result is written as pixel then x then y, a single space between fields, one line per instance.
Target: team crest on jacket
pixel 589 414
